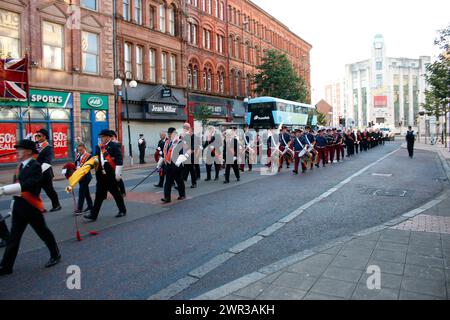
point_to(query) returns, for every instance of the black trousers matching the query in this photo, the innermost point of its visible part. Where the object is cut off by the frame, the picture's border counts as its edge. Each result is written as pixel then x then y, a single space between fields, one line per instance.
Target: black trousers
pixel 197 170
pixel 47 185
pixel 209 169
pixel 141 155
pixel 190 169
pixel 410 149
pixel 364 145
pixel 122 187
pixel 24 214
pixel 174 174
pixel 107 183
pixel 4 232
pixel 84 193
pixel 228 169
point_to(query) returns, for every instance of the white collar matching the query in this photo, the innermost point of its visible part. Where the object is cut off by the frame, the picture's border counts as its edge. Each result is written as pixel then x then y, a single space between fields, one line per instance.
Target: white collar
pixel 25 162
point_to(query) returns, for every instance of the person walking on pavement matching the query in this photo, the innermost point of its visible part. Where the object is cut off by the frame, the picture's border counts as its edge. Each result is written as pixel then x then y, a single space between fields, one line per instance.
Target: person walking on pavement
pixel 212 147
pixel 108 174
pixel 142 145
pixel 46 156
pixel 121 183
pixel 28 208
pixel 230 154
pixel 190 143
pixel 173 160
pixel 410 139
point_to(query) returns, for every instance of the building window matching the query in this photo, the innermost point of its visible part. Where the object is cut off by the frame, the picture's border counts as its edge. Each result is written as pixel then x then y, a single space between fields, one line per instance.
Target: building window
pixel 209 80
pixel 219 43
pixel 238 84
pixel 204 5
pixel 221 11
pixel 127 59
pixel 9 34
pixel 192 36
pixel 162 18
pixel 230 46
pixel 209 6
pixel 216 8
pixel 204 79
pixel 126 10
pixel 379 80
pixel 164 68
pixel 89 4
pixel 139 65
pixel 207 39
pixel 189 77
pixel 152 62
pixel 90 45
pixel 247 52
pixel 138 11
pixel 237 49
pixel 195 78
pixel 53 45
pixel 152 14
pixel 173 70
pixel 222 82
pixel 172 21
pixel 379 65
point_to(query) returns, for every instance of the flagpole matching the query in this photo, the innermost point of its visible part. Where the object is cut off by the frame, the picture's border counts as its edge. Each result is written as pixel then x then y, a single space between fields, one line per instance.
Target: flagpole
pixel 28 96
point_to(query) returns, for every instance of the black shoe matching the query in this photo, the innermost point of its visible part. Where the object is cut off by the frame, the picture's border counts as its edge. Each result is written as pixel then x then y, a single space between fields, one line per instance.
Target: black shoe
pixel 4 271
pixel 226 182
pixel 121 214
pixel 193 186
pixel 208 179
pixel 158 186
pixel 90 216
pixel 3 243
pixel 55 209
pixel 238 179
pixel 317 165
pixel 181 198
pixel 295 172
pixel 216 179
pixel 165 200
pixel 87 210
pixel 53 261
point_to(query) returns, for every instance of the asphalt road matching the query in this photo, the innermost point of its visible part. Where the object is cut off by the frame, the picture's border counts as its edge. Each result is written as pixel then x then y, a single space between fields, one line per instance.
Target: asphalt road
pixel 157 245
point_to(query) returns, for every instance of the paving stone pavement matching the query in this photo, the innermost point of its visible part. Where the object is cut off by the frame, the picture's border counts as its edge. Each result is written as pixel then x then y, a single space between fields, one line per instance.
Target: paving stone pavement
pixel 413 258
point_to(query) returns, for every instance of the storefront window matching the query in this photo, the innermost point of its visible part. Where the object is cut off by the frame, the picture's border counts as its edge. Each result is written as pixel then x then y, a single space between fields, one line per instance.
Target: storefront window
pixel 85 115
pixel 9 34
pixel 59 115
pixel 9 113
pixel 86 135
pixel 35 114
pixel 100 116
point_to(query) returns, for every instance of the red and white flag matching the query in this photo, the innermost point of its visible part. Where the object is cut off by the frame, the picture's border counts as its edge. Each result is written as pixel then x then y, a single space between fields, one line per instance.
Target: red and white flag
pixel 14 78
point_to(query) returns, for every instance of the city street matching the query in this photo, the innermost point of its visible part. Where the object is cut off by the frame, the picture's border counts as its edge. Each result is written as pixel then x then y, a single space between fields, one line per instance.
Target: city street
pixel 156 250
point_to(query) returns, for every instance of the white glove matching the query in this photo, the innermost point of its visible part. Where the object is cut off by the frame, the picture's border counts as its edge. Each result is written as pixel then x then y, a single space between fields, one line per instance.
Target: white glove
pixel 10 189
pixel 234 158
pixel 160 153
pixel 160 162
pixel 63 172
pixel 45 167
pixel 180 160
pixel 119 173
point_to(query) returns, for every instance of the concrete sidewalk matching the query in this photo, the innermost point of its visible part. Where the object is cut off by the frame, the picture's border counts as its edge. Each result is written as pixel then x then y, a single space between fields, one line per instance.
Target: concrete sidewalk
pixel 412 253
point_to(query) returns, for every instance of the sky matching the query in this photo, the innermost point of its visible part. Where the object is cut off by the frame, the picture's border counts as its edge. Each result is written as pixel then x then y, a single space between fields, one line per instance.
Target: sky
pixel 342 31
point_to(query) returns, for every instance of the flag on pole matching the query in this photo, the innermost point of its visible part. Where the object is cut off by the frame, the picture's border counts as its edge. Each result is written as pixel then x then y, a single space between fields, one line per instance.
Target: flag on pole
pixel 14 78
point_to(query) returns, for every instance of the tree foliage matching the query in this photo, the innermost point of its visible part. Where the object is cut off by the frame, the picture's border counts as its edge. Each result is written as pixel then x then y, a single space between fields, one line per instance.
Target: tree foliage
pixel 277 78
pixel 321 119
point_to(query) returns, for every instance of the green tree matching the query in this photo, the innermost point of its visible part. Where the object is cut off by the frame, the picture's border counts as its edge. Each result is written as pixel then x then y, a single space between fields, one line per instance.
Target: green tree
pixel 277 78
pixel 203 113
pixel 437 97
pixel 321 119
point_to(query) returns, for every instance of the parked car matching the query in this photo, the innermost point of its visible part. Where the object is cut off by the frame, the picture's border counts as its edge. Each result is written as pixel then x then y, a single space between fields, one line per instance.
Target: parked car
pixel 388 134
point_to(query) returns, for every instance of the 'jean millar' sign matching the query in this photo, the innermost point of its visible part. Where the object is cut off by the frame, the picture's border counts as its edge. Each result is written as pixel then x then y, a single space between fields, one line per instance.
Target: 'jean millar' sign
pixel 163 109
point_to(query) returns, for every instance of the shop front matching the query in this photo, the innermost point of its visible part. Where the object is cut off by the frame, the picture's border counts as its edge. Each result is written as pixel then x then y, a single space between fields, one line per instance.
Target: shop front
pixel 94 117
pixel 52 110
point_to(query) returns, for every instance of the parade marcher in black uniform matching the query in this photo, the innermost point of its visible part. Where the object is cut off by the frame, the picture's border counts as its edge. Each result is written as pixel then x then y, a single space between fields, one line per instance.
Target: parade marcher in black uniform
pixel 108 174
pixel 173 159
pixel 191 142
pixel 311 141
pixel 284 140
pixel 321 147
pixel 298 143
pixel 142 145
pixel 212 152
pixel 230 154
pixel 28 208
pixel 410 139
pixel 340 153
pixel 84 192
pixel 46 156
pixel 248 150
pixel 4 232
pixel 349 139
pixel 158 156
pixel 120 182
pixel 330 146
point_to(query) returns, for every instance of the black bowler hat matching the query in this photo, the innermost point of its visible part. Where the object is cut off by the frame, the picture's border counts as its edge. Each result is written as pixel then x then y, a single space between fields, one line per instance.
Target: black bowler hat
pixel 106 132
pixel 44 132
pixel 28 145
pixel 171 130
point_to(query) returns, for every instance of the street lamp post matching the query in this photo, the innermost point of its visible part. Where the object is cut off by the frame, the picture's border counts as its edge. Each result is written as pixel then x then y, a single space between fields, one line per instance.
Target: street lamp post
pixel 133 84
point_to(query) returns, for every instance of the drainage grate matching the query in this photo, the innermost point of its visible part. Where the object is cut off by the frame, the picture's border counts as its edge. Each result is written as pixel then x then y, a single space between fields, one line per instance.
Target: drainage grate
pixel 390 193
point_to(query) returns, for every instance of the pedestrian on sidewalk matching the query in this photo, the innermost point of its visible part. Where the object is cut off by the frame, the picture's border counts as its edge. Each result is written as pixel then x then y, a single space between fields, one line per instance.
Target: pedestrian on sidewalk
pixel 28 207
pixel 410 139
pixel 142 145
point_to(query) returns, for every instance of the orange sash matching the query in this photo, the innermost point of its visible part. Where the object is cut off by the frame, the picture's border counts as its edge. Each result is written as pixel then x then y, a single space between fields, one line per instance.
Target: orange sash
pixel 108 157
pixel 33 200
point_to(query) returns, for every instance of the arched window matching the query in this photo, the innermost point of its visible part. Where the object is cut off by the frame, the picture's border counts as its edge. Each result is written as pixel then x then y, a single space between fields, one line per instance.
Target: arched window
pixel 232 82
pixel 171 14
pixel 247 51
pixel 195 78
pixel 238 84
pixel 231 46
pixel 189 76
pixel 209 80
pixel 204 80
pixel 248 85
pixel 222 82
pixel 237 50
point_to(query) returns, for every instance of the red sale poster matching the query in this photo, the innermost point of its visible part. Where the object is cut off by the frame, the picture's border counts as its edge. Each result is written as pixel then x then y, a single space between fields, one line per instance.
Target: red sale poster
pixel 34 128
pixel 60 140
pixel 8 138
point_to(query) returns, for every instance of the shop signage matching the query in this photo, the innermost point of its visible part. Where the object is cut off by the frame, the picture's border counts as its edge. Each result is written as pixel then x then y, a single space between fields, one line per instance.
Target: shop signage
pixel 96 102
pixel 163 109
pixel 7 141
pixel 43 99
pixel 166 93
pixel 60 140
pixel 380 101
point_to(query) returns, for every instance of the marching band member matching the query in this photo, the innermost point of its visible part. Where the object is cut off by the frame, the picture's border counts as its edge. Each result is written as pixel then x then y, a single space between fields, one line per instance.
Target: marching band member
pixel 158 156
pixel 311 141
pixel 248 151
pixel 173 159
pixel 46 156
pixel 120 182
pixel 330 146
pixel 284 140
pixel 321 147
pixel 84 192
pixel 108 174
pixel 339 146
pixel 190 143
pixel 230 154
pixel 298 146
pixel 212 147
pixel 28 207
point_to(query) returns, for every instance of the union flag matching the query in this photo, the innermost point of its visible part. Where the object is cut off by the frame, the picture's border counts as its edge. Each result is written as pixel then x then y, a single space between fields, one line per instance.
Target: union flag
pixel 14 78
